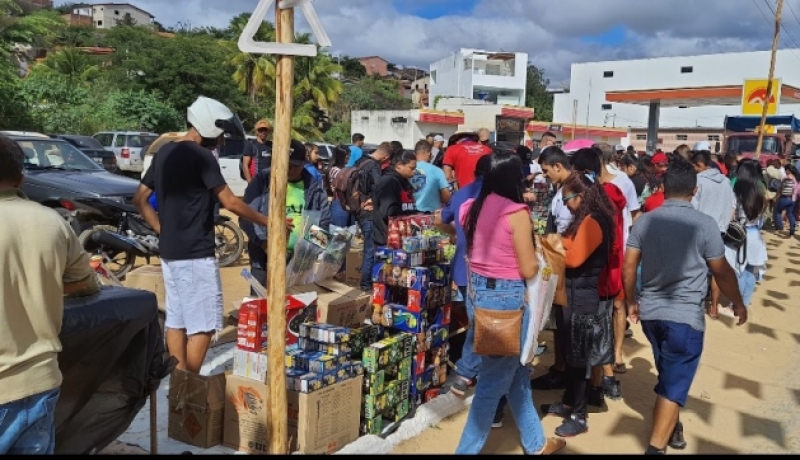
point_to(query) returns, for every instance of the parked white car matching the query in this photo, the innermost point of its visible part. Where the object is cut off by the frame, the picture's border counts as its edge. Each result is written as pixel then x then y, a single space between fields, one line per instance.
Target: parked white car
pixel 127 146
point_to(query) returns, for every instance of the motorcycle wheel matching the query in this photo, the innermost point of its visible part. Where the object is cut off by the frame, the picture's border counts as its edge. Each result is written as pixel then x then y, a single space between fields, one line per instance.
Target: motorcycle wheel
pixel 229 243
pixel 120 263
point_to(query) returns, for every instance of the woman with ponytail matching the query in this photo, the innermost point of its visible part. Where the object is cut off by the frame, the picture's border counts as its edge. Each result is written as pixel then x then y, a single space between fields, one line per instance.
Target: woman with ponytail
pixel 501 256
pixel 587 241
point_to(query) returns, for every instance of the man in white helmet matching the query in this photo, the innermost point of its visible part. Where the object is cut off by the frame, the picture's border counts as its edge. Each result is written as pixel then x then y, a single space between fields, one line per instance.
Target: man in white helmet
pixel 187 178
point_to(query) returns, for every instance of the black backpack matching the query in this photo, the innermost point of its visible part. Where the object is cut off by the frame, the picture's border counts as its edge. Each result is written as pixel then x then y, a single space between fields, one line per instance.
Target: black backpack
pixel 351 187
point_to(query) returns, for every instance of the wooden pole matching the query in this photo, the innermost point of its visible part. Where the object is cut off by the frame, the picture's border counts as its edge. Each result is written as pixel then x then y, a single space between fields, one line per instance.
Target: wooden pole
pixel 277 429
pixel 775 39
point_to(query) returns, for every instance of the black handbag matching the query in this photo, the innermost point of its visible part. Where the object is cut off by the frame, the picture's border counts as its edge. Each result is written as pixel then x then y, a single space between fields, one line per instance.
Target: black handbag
pixel 735 237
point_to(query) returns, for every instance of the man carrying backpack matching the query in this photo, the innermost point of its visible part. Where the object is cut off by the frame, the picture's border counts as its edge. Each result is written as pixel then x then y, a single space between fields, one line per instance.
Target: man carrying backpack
pixel 354 187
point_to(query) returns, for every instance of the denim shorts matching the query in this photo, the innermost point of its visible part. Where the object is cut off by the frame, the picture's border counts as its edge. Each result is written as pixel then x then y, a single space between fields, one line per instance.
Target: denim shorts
pixel 676 348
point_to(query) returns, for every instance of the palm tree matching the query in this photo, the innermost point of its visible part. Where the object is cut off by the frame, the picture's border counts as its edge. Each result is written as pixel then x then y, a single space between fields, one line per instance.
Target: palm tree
pixel 252 74
pixel 71 63
pixel 315 80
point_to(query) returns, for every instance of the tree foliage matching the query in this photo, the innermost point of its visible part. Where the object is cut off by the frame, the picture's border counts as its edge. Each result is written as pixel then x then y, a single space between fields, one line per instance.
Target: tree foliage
pixel 369 94
pixel 537 95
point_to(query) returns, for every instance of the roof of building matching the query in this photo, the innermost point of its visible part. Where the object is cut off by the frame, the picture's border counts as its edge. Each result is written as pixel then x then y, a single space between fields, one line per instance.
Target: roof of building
pixel 693 97
pixel 114 4
pixel 371 57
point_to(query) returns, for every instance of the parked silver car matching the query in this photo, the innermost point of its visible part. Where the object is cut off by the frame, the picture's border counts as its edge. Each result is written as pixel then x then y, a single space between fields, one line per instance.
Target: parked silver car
pixel 127 146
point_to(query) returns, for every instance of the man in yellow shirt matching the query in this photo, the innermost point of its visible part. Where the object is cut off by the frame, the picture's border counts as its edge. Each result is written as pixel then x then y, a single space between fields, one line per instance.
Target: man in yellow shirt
pixel 41 260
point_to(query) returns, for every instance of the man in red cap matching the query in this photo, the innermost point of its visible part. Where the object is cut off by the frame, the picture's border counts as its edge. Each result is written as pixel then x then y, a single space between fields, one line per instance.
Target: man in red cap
pixel 660 164
pixel 257 155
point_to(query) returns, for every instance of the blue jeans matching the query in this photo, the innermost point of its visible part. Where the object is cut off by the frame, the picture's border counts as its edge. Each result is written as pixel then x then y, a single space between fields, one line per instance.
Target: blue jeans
pixel 369 255
pixel 747 284
pixel 27 426
pixel 340 217
pixel 500 376
pixel 785 203
pixel 467 366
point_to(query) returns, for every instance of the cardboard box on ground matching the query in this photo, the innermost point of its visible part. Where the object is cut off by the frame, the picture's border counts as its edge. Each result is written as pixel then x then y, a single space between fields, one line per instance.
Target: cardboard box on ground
pixel 352 267
pixel 196 408
pixel 321 422
pixel 148 278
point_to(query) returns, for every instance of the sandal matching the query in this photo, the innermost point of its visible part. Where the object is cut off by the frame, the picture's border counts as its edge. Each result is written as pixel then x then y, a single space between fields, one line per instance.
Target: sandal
pixel 552 445
pixel 461 385
pixel 619 368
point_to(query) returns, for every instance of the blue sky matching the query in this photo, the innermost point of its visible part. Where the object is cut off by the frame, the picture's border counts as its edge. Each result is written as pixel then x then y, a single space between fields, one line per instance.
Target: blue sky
pixel 434 9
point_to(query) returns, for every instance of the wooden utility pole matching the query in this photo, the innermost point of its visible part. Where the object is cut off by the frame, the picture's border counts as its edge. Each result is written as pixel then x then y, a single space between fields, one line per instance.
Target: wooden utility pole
pixel 277 423
pixel 775 39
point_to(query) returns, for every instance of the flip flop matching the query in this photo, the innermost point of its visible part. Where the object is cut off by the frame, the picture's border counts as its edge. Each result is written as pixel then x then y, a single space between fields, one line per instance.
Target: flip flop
pixel 619 368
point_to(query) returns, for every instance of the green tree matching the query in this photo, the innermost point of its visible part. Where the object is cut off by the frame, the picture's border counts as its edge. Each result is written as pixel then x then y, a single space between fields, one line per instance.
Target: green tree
pixel 537 95
pixel 126 20
pixel 352 68
pixel 368 94
pixel 21 25
pixel 14 109
pixel 339 133
pixel 73 64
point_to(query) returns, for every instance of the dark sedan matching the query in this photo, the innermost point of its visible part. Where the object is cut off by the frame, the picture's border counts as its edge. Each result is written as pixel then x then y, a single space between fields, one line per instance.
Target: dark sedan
pixel 59 176
pixel 92 149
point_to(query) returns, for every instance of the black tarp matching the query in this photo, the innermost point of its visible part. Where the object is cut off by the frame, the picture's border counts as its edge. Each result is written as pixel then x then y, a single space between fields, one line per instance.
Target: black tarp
pixel 113 356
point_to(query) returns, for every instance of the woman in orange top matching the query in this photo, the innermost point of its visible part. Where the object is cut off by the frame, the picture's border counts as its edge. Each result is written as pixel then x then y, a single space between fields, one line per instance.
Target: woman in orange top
pixel 587 241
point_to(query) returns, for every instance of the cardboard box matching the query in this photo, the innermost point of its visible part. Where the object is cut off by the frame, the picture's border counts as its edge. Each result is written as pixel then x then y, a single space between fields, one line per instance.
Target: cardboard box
pixel 319 423
pixel 337 303
pixel 148 278
pixel 352 267
pixel 196 408
pixel 253 317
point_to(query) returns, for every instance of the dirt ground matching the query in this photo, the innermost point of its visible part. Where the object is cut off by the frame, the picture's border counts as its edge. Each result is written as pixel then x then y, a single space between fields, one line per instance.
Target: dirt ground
pixel 745 397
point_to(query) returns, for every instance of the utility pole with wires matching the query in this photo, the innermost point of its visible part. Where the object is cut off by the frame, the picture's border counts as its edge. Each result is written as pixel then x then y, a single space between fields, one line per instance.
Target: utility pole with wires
pixel 775 40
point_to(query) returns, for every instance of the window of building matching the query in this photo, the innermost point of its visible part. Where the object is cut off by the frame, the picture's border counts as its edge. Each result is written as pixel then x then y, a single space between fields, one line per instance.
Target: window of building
pixel 713 137
pixel 606 107
pixel 608 74
pixel 641 137
pixel 682 137
pixel 116 12
pixel 687 69
pixel 99 23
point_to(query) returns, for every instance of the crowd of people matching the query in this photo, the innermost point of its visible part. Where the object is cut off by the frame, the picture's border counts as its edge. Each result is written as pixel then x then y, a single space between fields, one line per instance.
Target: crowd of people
pixel 621 218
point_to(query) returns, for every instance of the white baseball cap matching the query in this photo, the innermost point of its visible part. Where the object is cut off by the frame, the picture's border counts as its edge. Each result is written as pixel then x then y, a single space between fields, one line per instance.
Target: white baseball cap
pixel 701 146
pixel 438 138
pixel 619 148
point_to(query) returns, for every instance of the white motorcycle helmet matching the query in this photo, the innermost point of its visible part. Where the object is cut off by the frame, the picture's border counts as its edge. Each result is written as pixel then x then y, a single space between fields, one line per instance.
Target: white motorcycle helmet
pixel 211 119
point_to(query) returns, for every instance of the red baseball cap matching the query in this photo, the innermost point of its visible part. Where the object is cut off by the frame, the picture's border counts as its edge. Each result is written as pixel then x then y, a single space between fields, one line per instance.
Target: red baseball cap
pixel 660 159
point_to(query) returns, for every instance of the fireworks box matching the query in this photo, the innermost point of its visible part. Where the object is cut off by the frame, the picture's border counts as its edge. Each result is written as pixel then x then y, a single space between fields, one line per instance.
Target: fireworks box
pixel 372 425
pixel 374 382
pixel 362 338
pixel 407 226
pixel 394 392
pixel 400 370
pixel 251 333
pixel 196 408
pixel 388 351
pixel 249 364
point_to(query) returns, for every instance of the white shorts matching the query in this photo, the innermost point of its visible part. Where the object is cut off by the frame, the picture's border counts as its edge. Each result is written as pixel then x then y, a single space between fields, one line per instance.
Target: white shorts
pixel 193 294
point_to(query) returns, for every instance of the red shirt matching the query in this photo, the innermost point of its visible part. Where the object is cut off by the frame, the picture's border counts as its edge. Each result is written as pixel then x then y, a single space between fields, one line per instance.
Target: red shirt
pixel 463 158
pixel 654 201
pixel 610 283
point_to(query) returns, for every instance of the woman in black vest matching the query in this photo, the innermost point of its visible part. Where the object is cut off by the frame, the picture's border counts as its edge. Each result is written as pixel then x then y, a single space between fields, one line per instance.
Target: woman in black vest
pixel 587 241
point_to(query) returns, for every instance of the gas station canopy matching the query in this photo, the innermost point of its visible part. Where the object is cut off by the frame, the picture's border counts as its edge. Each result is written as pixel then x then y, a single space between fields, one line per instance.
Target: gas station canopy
pixel 695 97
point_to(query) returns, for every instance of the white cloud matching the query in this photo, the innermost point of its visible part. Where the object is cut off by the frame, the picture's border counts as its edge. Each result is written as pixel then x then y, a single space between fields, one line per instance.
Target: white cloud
pixel 550 32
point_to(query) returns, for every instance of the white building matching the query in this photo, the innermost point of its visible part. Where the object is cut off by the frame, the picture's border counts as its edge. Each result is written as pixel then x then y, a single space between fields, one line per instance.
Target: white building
pixel 406 126
pixel 618 93
pixel 498 77
pixel 106 15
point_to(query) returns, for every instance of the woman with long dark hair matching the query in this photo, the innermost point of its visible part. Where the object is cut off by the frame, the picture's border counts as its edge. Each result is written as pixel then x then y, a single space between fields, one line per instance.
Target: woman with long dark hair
pixel 501 255
pixel 587 241
pixel 750 262
pixel 339 216
pixel 633 167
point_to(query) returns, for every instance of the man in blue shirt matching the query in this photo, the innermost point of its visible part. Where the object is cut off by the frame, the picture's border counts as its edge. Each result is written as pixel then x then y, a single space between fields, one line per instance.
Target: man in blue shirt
pixel 431 189
pixel 450 221
pixel 355 150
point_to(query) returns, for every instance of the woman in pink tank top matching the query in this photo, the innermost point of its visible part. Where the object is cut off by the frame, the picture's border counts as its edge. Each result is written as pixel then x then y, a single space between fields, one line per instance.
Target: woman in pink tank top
pixel 500 250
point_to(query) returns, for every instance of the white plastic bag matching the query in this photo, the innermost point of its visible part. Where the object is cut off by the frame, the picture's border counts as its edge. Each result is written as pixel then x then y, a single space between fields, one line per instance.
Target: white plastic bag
pixel 541 290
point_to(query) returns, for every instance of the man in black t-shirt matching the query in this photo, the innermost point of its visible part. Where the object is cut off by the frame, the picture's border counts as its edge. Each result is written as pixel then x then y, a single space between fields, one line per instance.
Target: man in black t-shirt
pixel 257 155
pixel 186 178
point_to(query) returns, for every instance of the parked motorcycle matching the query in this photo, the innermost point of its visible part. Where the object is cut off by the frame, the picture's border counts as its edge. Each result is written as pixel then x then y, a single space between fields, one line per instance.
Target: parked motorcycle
pixel 133 237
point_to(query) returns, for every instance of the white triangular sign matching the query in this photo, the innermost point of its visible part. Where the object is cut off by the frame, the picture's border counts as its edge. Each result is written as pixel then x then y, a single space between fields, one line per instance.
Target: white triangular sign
pixel 247 43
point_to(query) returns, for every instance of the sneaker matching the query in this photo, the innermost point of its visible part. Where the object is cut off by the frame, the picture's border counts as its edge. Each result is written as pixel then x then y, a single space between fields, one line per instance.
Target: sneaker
pixel 557 408
pixel 497 422
pixel 552 445
pixel 572 426
pixel 676 441
pixel 553 380
pixel 612 388
pixel 596 397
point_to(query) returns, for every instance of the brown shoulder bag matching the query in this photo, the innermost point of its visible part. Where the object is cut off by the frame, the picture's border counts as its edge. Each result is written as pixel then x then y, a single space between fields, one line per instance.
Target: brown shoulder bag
pixel 497 332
